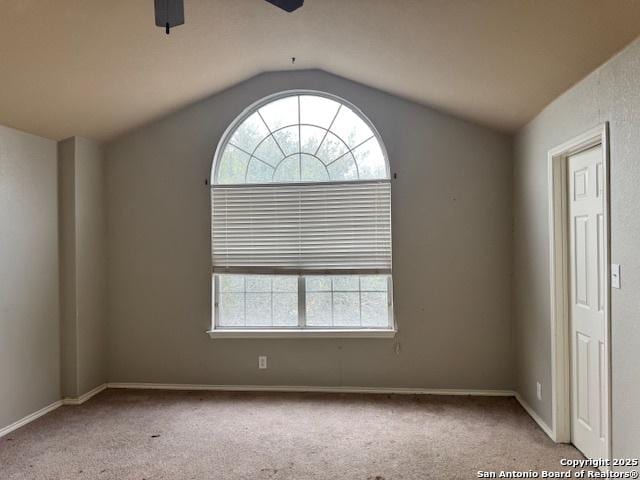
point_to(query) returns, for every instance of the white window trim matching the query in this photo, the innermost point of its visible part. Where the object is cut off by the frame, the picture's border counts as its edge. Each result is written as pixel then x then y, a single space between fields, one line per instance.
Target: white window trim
pixel 303 333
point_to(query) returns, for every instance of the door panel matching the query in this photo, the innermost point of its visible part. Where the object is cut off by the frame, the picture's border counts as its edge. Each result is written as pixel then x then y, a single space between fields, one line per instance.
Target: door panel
pixel 582 379
pixel 581 255
pixel 602 364
pixel 601 266
pixel 587 305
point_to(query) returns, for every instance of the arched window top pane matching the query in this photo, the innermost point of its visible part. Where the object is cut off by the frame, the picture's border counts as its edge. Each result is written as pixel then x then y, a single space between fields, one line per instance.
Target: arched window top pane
pixel 304 137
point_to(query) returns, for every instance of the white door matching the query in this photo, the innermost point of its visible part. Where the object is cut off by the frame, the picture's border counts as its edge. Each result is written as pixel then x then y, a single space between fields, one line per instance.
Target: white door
pixel 589 365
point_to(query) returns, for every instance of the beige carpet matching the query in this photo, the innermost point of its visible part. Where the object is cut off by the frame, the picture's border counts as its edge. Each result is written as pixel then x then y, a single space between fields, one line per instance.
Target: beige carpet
pixel 128 434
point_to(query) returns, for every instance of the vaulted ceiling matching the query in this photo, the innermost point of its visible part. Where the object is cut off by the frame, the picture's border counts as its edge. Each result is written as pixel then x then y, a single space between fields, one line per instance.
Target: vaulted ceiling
pixel 98 68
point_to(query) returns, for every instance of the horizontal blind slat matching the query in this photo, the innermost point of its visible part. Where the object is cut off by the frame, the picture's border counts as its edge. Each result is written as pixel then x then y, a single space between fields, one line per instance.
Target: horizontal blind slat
pixel 302 227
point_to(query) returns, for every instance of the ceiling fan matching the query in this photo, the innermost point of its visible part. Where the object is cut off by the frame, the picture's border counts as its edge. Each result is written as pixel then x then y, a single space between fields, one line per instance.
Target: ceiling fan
pixel 287 5
pixel 170 13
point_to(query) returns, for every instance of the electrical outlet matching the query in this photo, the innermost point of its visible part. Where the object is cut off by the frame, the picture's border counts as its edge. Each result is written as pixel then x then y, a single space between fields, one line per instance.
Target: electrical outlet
pixel 539 390
pixel 262 362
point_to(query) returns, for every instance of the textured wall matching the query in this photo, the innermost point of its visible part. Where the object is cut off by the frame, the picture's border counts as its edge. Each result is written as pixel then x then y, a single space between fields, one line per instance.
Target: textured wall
pixel 83 265
pixel 611 93
pixel 91 268
pixel 452 244
pixel 68 276
pixel 29 318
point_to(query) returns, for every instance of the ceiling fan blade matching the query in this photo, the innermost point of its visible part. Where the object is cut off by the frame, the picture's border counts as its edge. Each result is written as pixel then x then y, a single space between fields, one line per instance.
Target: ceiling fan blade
pixel 287 5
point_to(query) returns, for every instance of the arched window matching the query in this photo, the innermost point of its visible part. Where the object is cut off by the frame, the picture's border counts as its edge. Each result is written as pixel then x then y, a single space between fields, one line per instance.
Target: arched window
pixel 306 137
pixel 301 221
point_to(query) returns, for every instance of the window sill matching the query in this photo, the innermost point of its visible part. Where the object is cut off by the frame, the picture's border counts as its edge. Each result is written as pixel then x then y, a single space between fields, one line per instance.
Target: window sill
pixel 296 333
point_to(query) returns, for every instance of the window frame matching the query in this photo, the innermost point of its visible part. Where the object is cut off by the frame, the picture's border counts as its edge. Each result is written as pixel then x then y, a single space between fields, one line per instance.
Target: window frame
pixel 302 330
pixel 254 107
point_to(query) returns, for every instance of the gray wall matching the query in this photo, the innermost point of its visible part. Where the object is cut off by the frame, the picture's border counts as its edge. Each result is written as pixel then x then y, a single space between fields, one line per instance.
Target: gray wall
pixel 452 253
pixel 91 268
pixel 611 93
pixel 67 242
pixel 29 317
pixel 83 266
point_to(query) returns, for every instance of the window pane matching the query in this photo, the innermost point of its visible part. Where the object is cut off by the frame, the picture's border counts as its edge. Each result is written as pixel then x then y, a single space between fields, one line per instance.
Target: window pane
pixel 288 139
pixel 350 127
pixel 347 301
pixel 231 283
pixel 370 160
pixel 258 307
pixel 313 170
pixel 269 152
pixel 311 138
pixel 285 284
pixel 231 309
pixel 259 172
pixel 281 113
pixel 233 165
pixel 285 309
pixel 346 283
pixel 346 309
pixel 268 301
pixel 257 301
pixel 343 169
pixel 258 283
pixel 319 309
pixel 288 170
pixel 318 284
pixel 375 311
pixel 249 133
pixel 309 124
pixel 317 110
pixel 375 283
pixel 331 148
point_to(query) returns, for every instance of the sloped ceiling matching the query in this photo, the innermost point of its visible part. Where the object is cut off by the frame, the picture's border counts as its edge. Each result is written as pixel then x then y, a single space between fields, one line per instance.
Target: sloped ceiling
pixel 98 68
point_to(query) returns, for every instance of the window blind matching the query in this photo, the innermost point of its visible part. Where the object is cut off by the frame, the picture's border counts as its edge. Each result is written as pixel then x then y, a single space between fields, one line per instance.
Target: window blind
pixel 322 227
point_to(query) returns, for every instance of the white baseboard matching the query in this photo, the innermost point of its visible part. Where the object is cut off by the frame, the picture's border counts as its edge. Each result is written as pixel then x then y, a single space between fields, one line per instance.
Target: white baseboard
pixel 83 398
pixel 541 423
pixel 49 408
pixel 311 389
pixel 29 418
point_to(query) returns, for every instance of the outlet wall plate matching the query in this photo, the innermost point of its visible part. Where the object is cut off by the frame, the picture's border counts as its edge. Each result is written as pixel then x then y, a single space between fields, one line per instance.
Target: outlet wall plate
pixel 262 362
pixel 539 390
pixel 615 275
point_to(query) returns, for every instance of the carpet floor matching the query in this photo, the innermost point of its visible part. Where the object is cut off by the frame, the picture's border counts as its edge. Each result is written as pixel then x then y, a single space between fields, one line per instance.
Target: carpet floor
pixel 174 435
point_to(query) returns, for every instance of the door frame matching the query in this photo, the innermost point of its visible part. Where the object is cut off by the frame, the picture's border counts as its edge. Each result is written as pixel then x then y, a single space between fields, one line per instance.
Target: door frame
pixel 559 279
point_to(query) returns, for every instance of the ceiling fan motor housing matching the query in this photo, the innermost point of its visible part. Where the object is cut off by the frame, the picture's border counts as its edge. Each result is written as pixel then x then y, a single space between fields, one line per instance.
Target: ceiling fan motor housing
pixel 169 13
